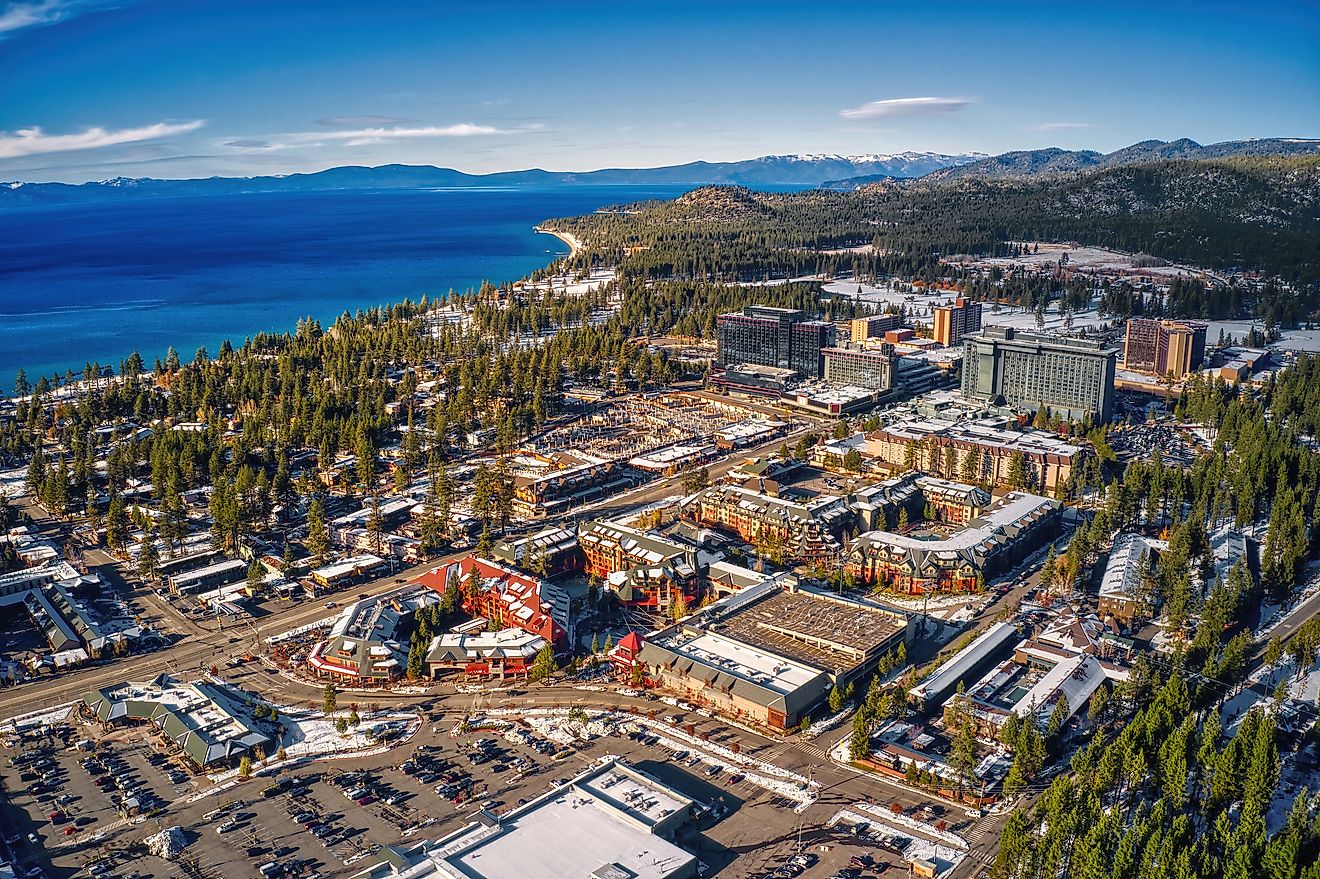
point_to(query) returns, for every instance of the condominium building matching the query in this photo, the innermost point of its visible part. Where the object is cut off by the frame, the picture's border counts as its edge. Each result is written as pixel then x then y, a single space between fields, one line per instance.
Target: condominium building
pixel 1069 377
pixel 779 337
pixel 979 451
pixel 861 368
pixel 1160 347
pixel 915 564
pixel 953 322
pixel 641 568
pixel 1124 591
pixel 803 529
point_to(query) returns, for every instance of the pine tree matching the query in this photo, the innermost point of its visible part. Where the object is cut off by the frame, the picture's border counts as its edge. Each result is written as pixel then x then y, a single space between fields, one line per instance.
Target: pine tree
pixel 318 538
pixel 331 699
pixel 859 743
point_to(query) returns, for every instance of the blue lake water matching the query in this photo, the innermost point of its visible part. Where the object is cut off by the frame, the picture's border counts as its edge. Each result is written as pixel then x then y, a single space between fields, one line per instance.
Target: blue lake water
pixel 93 282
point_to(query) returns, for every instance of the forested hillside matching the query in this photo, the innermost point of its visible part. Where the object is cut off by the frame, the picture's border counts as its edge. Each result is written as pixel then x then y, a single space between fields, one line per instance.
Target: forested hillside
pixel 1257 213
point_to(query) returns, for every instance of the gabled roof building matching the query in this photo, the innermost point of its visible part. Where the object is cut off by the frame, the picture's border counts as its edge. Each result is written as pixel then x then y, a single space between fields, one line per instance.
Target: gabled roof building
pixel 209 723
pixel 915 564
pixel 506 596
pixel 364 645
pixel 641 568
pixel 807 529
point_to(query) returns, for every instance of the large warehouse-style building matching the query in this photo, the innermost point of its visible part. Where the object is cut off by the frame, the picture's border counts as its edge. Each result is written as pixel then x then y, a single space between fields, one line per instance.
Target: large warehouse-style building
pixel 771 653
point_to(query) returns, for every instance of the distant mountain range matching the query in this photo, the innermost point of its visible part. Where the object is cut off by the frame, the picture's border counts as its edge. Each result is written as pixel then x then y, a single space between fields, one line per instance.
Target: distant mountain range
pixel 827 171
pixel 1052 160
pixel 792 170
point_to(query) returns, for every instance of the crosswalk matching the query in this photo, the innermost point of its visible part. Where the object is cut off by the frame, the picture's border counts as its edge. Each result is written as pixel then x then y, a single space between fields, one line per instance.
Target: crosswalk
pixel 814 750
pixel 979 830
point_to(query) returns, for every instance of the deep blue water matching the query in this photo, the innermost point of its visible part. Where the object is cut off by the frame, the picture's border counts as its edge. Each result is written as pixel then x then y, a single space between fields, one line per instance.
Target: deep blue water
pixel 94 282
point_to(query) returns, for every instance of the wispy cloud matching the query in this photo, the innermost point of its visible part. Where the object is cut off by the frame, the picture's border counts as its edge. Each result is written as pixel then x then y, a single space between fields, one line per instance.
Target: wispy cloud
pixel 905 107
pixel 366 136
pixel 17 16
pixel 35 141
pixel 358 121
pixel 1056 126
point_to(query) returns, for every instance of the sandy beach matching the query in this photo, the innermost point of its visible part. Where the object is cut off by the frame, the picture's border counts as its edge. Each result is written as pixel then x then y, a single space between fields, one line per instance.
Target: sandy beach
pixel 574 245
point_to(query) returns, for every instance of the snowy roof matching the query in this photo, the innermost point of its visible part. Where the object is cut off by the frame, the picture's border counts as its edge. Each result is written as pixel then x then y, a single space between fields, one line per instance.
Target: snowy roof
pixel 600 824
pixel 961 663
pixel 1123 572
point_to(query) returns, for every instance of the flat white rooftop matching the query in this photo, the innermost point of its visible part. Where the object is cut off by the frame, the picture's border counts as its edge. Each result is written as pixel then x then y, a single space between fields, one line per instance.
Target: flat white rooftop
pixel 580 830
pixel 765 669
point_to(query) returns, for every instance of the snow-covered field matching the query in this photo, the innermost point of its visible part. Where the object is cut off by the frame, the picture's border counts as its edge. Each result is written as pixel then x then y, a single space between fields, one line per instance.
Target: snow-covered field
pixel 314 734
pixel 569 285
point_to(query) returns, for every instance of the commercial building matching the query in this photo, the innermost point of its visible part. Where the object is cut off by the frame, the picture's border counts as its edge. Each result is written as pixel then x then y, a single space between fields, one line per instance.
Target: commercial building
pixel 770 654
pixel 828 398
pixel 507 597
pixel 366 643
pixel 209 577
pixel 780 337
pixel 640 568
pixel 953 322
pixel 804 529
pixel 75 628
pixel 1161 347
pixel 1031 684
pixel 508 653
pixel 558 490
pixel 346 572
pixel 210 724
pixel 873 326
pixel 861 367
pixel 1124 593
pixel 755 380
pixel 609 822
pixel 983 451
pixel 963 666
pixel 1069 377
pixel 915 564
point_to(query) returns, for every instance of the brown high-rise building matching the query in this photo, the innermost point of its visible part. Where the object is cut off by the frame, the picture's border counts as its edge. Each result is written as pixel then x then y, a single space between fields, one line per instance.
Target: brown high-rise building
pixel 1159 347
pixel 952 322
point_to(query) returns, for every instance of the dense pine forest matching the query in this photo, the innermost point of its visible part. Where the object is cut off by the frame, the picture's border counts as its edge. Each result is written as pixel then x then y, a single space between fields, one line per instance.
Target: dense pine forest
pixel 1230 215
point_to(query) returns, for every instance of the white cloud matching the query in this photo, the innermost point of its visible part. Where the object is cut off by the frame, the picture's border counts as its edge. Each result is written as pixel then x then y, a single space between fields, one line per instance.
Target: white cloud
pixel 18 16
pixel 379 135
pixel 1055 126
pixel 34 141
pixel 368 136
pixel 905 107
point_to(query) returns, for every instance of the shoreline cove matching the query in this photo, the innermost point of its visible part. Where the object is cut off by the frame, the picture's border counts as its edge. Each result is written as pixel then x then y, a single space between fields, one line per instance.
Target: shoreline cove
pixel 92 283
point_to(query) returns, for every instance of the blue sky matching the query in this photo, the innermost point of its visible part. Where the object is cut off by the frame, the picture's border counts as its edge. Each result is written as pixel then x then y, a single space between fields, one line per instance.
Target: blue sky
pixel 91 89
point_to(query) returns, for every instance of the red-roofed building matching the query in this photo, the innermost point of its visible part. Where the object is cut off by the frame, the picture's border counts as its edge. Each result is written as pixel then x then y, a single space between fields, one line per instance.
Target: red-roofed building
pixel 626 653
pixel 508 597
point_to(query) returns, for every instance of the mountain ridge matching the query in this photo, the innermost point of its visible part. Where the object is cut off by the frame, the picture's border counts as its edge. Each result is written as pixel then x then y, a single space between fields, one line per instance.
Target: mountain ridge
pixel 789 170
pixel 1055 160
